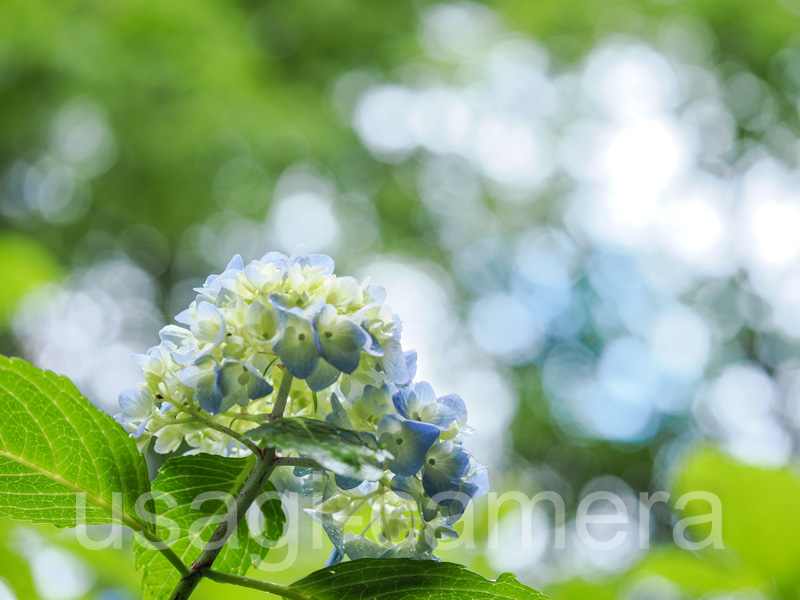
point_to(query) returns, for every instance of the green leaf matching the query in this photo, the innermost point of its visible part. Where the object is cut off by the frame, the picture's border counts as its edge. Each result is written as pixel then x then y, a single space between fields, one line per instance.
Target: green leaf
pixel 407 579
pixel 54 445
pixel 759 532
pixel 342 451
pixel 184 479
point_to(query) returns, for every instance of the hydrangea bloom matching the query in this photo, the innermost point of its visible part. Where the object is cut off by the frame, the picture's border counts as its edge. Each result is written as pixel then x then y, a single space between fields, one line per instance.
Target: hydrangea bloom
pixel 342 344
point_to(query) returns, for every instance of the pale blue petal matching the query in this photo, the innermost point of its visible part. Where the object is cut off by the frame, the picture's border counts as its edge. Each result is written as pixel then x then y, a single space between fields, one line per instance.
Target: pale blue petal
pixel 408 441
pixel 266 322
pixel 229 385
pixel 280 260
pixel 357 547
pixel 347 483
pixel 207 393
pixel 237 264
pixel 389 424
pixel 255 276
pixel 479 482
pixel 425 393
pixel 334 531
pixel 324 376
pixel 297 349
pixel 210 324
pixel 199 368
pixel 299 305
pixel 374 347
pixel 411 363
pixel 299 255
pixel 376 293
pixel 140 429
pixel 238 383
pixel 173 333
pixel 257 386
pixel 437 414
pixel 375 400
pixel 338 339
pixel 455 403
pixel 412 548
pixel 337 555
pixel 188 356
pixel 136 403
pixel 394 362
pixel 410 488
pixel 338 415
pixel 445 465
pixel 418 403
pixel 475 485
pixel 323 262
pixel 405 401
pixel 406 487
pixel 287 303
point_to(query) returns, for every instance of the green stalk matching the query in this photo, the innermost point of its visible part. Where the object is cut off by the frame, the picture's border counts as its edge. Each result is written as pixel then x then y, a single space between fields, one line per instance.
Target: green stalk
pixel 283 395
pixel 266 462
pixel 200 415
pixel 256 584
pixel 250 491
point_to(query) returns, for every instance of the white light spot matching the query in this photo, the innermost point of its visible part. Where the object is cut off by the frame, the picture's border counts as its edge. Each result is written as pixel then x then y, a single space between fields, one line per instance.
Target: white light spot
pixel 523 540
pixel 630 82
pixel 81 136
pixel 510 153
pixel 458 30
pixel 382 120
pixel 6 593
pixel 502 326
pixel 681 342
pixel 59 575
pixel 741 403
pixel 304 218
pixel 774 228
pixel 646 155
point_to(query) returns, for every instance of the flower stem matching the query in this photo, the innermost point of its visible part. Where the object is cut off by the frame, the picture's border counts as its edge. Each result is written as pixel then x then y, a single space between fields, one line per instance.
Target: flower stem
pixel 198 414
pixel 283 395
pixel 253 418
pixel 265 464
pixel 160 545
pixel 256 584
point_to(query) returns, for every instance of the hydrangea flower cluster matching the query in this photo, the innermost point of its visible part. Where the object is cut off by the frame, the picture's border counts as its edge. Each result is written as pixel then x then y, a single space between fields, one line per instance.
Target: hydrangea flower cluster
pixel 223 367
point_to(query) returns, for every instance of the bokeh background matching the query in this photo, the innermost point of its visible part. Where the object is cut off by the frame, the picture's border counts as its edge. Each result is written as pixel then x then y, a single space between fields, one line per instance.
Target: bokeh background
pixel 587 213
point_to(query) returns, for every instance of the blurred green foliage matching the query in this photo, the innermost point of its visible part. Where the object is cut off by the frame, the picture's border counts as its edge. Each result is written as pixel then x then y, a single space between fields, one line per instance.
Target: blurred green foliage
pixel 25 263
pixel 187 90
pixel 758 519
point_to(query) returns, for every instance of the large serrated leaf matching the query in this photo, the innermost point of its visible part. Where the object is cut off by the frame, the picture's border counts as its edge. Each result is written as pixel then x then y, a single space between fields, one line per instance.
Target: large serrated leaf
pixel 406 579
pixel 184 479
pixel 342 451
pixel 55 448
